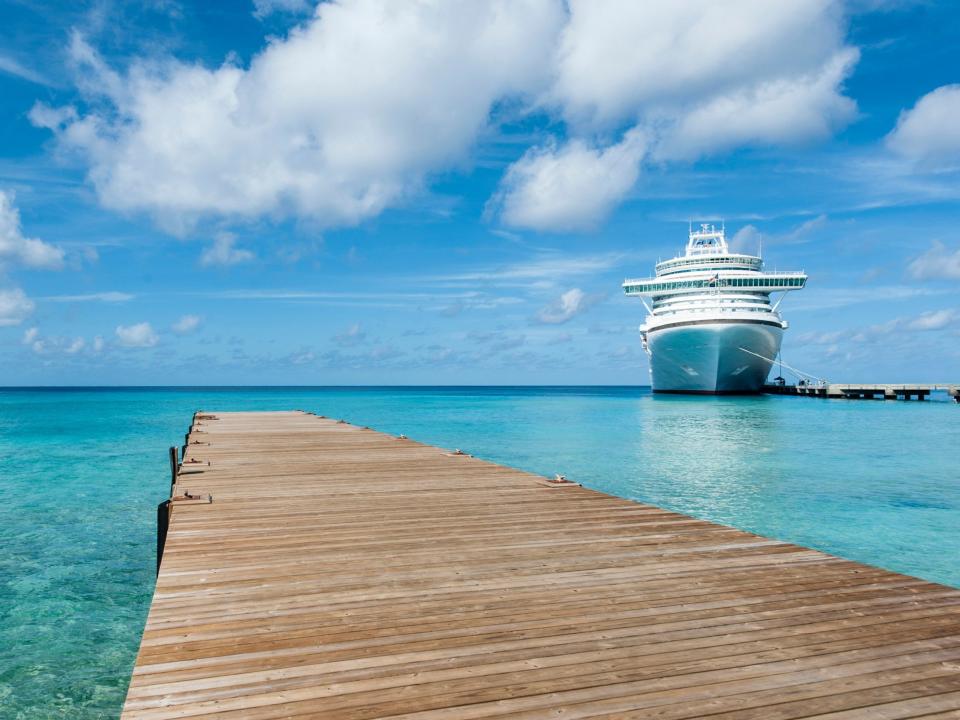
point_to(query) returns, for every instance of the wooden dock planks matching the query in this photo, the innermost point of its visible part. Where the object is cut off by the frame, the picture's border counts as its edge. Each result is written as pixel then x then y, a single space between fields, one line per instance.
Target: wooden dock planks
pixel 343 573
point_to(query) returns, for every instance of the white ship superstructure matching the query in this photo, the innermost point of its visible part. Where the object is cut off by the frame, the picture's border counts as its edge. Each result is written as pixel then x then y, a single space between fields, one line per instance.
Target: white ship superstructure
pixel 711 327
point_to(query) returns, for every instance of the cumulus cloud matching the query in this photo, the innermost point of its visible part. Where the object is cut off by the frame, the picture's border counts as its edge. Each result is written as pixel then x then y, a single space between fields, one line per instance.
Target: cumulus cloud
pixel 186 325
pixel 46 345
pixel 360 104
pixel 937 262
pixel 14 246
pixel 620 60
pixel 140 335
pixel 570 304
pixel 15 307
pixel 569 187
pixel 224 252
pixel 929 134
pixel 340 119
pixel 692 78
pixel 773 112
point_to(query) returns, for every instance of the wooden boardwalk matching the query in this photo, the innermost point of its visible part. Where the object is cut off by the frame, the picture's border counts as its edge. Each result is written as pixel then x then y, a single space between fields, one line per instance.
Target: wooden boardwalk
pixel 343 573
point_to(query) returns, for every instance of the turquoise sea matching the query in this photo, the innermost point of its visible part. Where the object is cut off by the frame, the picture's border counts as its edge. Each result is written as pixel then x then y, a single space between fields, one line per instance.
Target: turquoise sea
pixel 83 470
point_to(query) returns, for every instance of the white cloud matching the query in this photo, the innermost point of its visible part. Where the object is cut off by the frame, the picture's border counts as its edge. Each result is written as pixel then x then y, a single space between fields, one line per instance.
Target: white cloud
pixel 774 112
pixel 746 240
pixel 929 133
pixel 353 335
pixel 570 304
pixel 803 232
pixel 15 306
pixel 340 119
pixel 14 246
pixel 45 345
pixel 933 320
pixel 937 262
pixel 749 238
pixel 11 66
pixel 570 187
pixel 187 324
pixel 880 332
pixel 693 78
pixel 263 8
pixel 620 61
pixel 302 357
pixel 359 105
pixel 816 299
pixel 98 344
pixel 108 297
pixel 140 335
pixel 545 269
pixel 223 252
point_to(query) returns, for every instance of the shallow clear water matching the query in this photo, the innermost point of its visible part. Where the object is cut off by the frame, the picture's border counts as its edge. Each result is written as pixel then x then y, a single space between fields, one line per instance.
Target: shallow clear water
pixel 83 470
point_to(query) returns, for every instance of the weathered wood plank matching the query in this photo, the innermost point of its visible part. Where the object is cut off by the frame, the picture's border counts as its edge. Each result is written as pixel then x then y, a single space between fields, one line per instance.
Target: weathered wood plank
pixel 344 573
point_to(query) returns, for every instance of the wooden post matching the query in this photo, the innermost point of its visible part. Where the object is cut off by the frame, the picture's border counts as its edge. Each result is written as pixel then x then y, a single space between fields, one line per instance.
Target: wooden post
pixel 163 523
pixel 174 465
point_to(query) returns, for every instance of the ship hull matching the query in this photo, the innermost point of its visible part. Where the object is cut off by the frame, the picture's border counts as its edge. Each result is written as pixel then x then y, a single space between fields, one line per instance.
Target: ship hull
pixel 707 357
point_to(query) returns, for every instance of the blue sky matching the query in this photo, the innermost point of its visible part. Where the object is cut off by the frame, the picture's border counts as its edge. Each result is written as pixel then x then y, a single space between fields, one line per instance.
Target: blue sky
pixel 452 193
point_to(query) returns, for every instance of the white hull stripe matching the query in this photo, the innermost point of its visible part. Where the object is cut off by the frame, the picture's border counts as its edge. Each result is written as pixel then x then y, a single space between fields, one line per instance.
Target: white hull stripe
pixel 730 321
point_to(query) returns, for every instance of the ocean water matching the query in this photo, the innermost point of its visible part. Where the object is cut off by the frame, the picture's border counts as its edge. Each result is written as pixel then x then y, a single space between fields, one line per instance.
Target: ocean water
pixel 83 470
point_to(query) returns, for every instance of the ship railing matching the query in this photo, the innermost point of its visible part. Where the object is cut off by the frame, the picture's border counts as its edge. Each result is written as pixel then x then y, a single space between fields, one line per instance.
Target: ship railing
pixel 727 273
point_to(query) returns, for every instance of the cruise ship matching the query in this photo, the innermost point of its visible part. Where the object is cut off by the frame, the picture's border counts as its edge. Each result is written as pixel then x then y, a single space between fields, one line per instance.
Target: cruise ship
pixel 711 327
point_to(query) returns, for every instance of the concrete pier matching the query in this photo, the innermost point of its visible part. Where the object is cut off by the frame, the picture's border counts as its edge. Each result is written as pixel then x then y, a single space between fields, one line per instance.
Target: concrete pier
pixel 861 391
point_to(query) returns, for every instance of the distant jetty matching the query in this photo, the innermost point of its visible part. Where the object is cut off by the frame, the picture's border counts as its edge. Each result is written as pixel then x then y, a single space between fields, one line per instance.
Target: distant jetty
pixel 850 391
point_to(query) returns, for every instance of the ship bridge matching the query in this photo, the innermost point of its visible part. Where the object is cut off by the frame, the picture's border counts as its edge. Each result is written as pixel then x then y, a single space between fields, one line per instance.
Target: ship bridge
pixel 714 279
pixel 707 264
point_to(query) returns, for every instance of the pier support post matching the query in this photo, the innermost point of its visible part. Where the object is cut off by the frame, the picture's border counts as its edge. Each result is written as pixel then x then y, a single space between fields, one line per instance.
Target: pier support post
pixel 174 465
pixel 163 523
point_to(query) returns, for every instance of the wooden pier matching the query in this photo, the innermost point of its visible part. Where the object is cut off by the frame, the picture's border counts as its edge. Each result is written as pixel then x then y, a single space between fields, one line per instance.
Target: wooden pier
pixel 314 569
pixel 862 391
